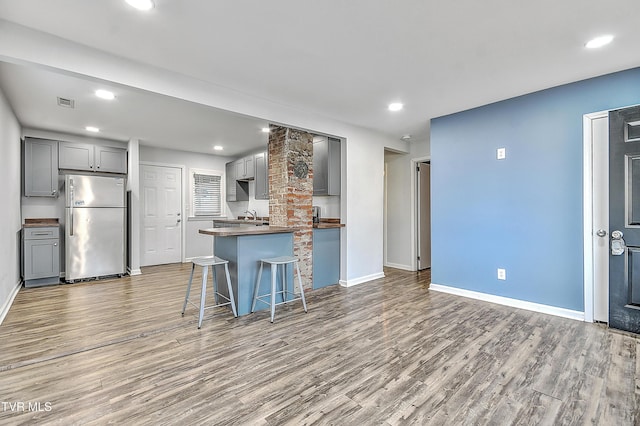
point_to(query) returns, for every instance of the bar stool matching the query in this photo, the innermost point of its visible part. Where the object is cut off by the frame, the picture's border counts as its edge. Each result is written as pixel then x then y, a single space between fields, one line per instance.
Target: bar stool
pixel 205 262
pixel 282 261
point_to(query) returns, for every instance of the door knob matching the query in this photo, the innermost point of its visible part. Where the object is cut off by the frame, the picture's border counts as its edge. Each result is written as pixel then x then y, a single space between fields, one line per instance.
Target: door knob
pixel 601 233
pixel 618 245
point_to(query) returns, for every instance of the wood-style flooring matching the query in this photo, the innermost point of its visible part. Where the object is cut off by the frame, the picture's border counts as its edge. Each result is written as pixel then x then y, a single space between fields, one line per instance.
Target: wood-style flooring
pixel 387 352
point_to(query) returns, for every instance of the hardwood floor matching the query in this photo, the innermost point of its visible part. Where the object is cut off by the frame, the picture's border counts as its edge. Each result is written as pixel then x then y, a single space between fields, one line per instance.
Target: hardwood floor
pixel 386 352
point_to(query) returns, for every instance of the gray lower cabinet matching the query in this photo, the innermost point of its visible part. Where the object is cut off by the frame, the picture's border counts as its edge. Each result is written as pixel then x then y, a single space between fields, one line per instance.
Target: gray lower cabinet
pixel 40 167
pixel 41 256
pixel 326 257
pixel 90 157
pixel 262 176
pixel 326 166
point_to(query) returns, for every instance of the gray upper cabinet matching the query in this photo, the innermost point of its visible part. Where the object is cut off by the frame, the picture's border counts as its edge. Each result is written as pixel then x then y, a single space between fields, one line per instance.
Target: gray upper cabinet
pixel 75 156
pixel 236 190
pixel 262 176
pixel 326 166
pixel 40 168
pixel 230 178
pixel 245 168
pixel 110 159
pixel 96 158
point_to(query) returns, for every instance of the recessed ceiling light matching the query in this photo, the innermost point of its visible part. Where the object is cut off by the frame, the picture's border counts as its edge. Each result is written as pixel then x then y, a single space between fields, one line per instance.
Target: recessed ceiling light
pixel 396 106
pixel 406 137
pixel 141 4
pixel 266 130
pixel 92 129
pixel 105 94
pixel 599 41
pixel 218 148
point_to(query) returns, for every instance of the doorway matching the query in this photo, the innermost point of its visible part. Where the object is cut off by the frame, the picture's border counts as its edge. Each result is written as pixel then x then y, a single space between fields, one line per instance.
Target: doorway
pixel 161 210
pixel 605 272
pixel 423 187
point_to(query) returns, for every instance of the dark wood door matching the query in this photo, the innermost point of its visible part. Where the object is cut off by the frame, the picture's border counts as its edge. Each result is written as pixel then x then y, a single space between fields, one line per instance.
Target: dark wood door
pixel 624 219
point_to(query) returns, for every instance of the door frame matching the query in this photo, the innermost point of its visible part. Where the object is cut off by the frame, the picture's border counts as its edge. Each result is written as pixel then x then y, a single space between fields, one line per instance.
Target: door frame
pixel 414 209
pixel 587 211
pixel 183 231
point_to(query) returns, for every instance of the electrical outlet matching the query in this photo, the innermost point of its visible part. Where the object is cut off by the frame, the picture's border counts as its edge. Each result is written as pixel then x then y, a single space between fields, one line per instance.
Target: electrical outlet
pixel 501 153
pixel 502 274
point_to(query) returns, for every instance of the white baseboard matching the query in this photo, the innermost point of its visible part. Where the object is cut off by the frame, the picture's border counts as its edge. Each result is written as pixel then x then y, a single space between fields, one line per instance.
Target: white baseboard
pixel 7 304
pixel 400 266
pixel 134 271
pixel 514 303
pixel 356 281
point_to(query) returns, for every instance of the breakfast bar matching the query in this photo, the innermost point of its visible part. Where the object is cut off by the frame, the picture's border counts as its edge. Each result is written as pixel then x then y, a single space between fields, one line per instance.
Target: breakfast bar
pixel 243 247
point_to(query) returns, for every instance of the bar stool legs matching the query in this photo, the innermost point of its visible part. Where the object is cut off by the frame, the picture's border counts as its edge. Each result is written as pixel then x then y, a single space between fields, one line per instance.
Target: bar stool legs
pixel 274 262
pixel 205 262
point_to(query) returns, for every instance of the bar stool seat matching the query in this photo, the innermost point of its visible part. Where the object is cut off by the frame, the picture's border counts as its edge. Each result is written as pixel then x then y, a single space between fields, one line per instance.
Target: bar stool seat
pixel 274 262
pixel 205 263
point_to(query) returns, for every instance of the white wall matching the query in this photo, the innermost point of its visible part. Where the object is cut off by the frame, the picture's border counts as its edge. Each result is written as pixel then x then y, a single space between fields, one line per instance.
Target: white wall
pixel 10 219
pixel 363 153
pixel 329 205
pixel 195 244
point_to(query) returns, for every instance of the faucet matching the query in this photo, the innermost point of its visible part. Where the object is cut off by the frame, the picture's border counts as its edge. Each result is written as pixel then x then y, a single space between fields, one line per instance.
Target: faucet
pixel 253 213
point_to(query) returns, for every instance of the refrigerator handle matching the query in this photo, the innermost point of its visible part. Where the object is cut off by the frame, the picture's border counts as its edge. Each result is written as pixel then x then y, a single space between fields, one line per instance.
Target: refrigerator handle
pixel 71 207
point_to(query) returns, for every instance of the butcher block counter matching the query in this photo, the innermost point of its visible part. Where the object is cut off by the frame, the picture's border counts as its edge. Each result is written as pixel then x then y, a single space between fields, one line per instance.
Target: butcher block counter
pixel 243 247
pixel 247 230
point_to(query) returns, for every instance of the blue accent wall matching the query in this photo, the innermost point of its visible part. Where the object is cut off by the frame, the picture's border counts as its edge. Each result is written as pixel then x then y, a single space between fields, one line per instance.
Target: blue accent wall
pixel 523 213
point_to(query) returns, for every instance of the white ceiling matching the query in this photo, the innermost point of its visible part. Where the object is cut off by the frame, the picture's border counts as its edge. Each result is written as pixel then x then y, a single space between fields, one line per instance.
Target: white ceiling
pixel 342 59
pixel 154 119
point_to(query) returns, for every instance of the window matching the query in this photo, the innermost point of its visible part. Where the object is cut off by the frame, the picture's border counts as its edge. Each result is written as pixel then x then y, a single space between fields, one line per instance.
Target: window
pixel 206 193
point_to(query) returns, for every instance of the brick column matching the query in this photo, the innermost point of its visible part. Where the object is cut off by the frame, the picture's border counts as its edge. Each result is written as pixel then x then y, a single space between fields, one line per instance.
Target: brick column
pixel 291 191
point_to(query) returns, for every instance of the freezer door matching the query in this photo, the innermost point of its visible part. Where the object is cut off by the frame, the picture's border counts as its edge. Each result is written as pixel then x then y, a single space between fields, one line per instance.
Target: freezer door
pixel 94 191
pixel 94 242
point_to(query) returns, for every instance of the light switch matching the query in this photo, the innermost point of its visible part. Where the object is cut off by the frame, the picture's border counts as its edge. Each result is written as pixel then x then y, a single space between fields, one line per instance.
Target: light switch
pixel 501 153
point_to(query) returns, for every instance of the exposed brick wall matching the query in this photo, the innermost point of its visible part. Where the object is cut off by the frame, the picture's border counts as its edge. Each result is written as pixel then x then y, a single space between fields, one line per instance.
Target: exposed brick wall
pixel 291 197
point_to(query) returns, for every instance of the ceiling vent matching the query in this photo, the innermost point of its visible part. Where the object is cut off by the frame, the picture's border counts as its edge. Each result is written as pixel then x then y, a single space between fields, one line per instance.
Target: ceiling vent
pixel 67 103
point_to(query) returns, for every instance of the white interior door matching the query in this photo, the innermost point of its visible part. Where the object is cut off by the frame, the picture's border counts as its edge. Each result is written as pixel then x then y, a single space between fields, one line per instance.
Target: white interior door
pixel 600 143
pixel 161 201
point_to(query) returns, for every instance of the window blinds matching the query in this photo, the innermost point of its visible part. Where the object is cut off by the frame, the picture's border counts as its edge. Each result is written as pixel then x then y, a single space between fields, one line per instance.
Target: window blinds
pixel 207 195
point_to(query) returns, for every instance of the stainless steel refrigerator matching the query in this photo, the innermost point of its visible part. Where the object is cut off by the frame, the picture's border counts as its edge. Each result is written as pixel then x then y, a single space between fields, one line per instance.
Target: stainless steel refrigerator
pixel 95 215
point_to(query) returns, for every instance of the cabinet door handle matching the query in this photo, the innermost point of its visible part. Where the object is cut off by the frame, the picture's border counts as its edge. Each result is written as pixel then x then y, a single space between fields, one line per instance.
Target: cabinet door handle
pixel 55 244
pixel 54 192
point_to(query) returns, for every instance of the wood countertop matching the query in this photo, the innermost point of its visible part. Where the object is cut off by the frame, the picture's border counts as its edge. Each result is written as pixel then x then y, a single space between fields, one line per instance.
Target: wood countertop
pixel 246 230
pixel 327 225
pixel 243 221
pixel 39 223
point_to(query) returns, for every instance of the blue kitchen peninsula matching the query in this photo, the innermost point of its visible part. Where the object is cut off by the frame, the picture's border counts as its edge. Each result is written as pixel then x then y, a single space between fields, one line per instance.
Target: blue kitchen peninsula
pixel 243 247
